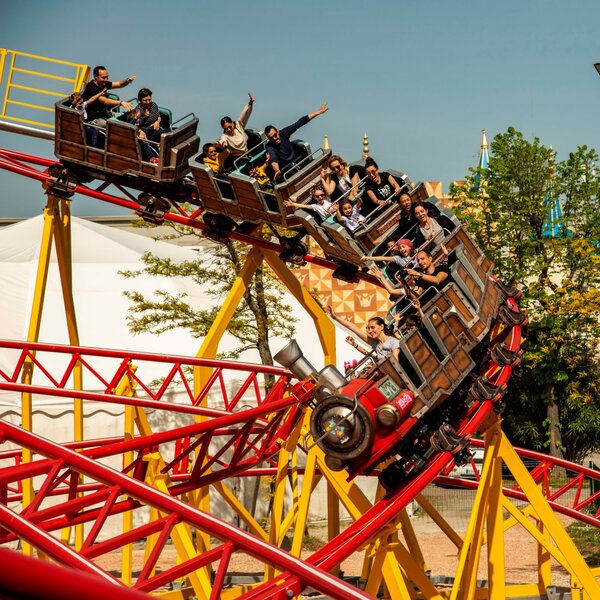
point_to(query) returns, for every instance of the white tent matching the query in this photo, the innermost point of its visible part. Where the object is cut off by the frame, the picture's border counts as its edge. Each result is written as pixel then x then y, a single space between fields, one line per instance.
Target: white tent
pixel 99 253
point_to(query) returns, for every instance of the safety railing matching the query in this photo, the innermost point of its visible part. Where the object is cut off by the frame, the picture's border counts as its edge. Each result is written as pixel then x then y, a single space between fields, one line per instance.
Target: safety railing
pixel 31 84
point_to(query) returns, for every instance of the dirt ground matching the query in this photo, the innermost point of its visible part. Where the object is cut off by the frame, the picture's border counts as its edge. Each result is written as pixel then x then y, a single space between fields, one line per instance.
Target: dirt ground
pixel 439 552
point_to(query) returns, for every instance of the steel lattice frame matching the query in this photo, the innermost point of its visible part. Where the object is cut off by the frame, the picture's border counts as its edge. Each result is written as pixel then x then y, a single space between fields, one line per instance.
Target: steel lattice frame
pixel 75 487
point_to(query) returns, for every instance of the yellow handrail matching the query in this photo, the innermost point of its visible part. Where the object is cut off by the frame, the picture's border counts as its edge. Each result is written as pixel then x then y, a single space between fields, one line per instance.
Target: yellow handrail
pixel 26 86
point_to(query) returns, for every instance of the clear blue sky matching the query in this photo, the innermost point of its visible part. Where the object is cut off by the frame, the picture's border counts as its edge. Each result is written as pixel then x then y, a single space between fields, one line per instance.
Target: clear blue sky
pixel 422 78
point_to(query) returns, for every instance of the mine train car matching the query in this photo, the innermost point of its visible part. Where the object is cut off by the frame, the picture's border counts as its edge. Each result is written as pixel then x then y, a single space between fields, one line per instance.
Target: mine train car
pixel 401 412
pixel 233 202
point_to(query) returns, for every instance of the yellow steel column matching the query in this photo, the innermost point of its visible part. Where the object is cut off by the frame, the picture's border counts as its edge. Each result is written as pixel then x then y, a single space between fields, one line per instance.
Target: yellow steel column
pixel 544 566
pixel 563 549
pixel 62 236
pixel 309 482
pixel 62 241
pixel 33 336
pixel 495 530
pixel 465 582
pixel 181 534
pixel 209 348
pixel 277 532
pixel 325 328
pixel 398 561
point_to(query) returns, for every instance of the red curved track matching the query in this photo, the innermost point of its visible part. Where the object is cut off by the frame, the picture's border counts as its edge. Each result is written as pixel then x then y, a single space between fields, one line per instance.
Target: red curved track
pixel 248 437
pixel 251 435
pixel 21 164
pixel 570 499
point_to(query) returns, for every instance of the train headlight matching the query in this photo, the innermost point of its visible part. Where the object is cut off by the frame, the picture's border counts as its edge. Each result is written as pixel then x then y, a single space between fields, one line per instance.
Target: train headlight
pixel 342 429
pixel 388 415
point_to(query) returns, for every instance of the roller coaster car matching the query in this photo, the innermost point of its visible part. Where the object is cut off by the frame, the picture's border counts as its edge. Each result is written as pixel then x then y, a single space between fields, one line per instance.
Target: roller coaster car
pixel 338 243
pixel 117 155
pixel 237 200
pixel 407 410
pixel 240 197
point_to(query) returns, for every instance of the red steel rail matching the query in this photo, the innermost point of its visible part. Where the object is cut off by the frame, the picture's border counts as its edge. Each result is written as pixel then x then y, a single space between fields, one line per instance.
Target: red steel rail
pixel 570 498
pixel 116 488
pixel 20 163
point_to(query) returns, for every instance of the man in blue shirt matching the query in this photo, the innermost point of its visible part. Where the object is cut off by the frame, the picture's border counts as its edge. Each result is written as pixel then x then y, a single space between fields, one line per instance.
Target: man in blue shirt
pixel 279 146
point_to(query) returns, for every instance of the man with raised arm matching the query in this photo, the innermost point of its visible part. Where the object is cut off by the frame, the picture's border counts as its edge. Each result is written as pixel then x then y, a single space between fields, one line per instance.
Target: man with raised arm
pixel 279 145
pixel 101 107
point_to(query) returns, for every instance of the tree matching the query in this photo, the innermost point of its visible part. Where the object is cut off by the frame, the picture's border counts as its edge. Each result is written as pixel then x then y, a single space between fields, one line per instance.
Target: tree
pixel 560 276
pixel 262 314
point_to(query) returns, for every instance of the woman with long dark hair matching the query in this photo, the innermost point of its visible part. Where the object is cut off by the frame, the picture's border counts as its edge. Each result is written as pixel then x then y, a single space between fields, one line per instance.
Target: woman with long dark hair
pixel 377 336
pixel 380 186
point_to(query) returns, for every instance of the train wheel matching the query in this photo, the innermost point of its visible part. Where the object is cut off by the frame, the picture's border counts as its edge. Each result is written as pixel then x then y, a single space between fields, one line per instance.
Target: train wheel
pixel 346 272
pixel 393 475
pixel 218 227
pixel 294 252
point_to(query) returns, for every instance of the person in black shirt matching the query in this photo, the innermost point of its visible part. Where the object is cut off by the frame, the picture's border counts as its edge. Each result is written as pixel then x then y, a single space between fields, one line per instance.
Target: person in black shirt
pixel 379 187
pixel 407 225
pixel 101 107
pixel 428 274
pixel 279 145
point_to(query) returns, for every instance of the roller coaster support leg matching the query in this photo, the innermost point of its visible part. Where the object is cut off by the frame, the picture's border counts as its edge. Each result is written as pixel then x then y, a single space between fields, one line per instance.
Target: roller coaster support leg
pixel 181 533
pixel 396 562
pixel 209 348
pixel 557 543
pixel 57 227
pixel 323 325
pixel 495 532
pixel 486 499
pixel 537 519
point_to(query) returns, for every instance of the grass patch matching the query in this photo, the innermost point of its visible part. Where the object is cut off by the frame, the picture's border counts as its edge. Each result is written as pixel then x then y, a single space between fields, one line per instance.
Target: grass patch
pixel 587 540
pixel 312 543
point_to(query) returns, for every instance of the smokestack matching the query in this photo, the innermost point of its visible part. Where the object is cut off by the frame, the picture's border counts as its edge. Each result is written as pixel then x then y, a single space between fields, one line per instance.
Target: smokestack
pixel 291 358
pixel 329 378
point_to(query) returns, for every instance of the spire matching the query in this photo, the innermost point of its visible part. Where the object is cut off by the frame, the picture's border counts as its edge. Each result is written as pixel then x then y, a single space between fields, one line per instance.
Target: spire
pixel 365 146
pixel 483 162
pixel 484 156
pixel 326 143
pixel 552 225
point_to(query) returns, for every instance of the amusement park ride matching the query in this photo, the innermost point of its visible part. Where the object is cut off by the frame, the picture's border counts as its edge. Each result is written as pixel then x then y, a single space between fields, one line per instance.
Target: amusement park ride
pixel 407 421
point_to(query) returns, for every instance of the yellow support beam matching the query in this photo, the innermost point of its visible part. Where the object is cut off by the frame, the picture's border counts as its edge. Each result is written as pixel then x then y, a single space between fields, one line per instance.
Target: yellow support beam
pixel 323 325
pixel 181 533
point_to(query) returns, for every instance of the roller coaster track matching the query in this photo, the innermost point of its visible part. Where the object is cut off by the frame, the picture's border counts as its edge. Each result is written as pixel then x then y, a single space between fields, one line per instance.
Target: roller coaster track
pixel 23 164
pixel 252 436
pixel 77 483
pixel 570 499
pixel 76 487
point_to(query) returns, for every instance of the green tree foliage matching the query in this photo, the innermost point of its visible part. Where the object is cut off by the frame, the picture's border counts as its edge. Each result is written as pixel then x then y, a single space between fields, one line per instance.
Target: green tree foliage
pixel 556 404
pixel 262 314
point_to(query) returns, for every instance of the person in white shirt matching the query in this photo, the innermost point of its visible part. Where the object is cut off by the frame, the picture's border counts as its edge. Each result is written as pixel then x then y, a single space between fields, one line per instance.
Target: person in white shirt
pixel 348 214
pixel 382 344
pixel 234 137
pixel 322 206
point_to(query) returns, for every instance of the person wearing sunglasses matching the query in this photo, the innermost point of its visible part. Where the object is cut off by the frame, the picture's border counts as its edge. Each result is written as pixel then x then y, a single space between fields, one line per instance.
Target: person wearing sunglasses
pixel 340 179
pixel 322 206
pixel 234 137
pixel 279 145
pixel 380 187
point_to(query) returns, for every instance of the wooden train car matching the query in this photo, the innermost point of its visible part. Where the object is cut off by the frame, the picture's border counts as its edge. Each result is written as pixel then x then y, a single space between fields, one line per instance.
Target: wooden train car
pixel 116 153
pixel 409 408
pixel 113 153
